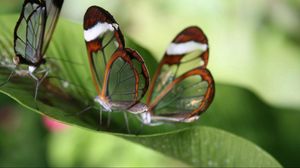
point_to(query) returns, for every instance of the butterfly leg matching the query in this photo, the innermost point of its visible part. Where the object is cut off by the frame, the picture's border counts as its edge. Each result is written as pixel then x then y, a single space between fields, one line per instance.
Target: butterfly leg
pixel 36 85
pixel 38 82
pixel 80 112
pixel 100 118
pixel 36 88
pixel 46 72
pixel 126 121
pixel 9 77
pixel 44 76
pixel 108 119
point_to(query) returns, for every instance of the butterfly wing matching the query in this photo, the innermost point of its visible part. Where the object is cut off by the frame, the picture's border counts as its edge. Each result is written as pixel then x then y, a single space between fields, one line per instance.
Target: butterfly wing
pixel 126 79
pixel 119 74
pixel 53 10
pixel 29 32
pixel 103 38
pixel 187 96
pixel 182 87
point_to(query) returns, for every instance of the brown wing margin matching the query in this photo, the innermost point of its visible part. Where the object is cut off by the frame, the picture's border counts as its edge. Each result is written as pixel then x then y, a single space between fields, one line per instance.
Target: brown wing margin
pixel 134 55
pixel 91 65
pixel 208 96
pixel 192 33
pixel 128 55
pixel 96 14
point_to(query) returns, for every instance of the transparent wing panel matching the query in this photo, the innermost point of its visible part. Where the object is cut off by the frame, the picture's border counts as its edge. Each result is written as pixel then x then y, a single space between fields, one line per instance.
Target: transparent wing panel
pixel 122 82
pixel 184 97
pixel 188 95
pixel 128 78
pixel 101 57
pixel 53 10
pixel 169 72
pixel 29 32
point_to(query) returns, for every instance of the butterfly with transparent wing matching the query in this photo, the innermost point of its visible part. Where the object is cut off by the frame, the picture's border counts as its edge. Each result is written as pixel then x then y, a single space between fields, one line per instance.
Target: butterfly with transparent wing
pixel 32 35
pixel 182 87
pixel 119 74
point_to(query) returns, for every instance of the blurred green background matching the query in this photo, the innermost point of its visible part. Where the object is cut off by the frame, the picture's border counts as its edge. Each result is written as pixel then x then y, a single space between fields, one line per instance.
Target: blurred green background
pixel 254 45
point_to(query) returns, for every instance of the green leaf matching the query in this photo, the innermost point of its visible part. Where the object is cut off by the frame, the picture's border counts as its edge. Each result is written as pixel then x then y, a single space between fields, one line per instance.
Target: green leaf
pixel 68 90
pixel 208 147
pixel 239 111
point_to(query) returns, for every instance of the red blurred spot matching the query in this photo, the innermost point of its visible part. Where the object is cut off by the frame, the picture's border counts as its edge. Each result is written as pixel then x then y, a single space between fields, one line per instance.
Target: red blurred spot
pixel 53 125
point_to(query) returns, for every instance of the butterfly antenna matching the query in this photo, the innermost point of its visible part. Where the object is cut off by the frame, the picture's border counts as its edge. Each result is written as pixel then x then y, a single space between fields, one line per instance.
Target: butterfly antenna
pixel 126 121
pixel 8 79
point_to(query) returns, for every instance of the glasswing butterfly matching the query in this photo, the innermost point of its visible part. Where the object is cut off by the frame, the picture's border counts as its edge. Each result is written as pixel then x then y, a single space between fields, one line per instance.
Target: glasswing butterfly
pixel 32 35
pixel 182 88
pixel 119 74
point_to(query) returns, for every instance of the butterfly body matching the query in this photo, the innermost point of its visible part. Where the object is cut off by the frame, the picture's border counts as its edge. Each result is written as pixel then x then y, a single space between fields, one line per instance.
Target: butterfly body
pixel 106 104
